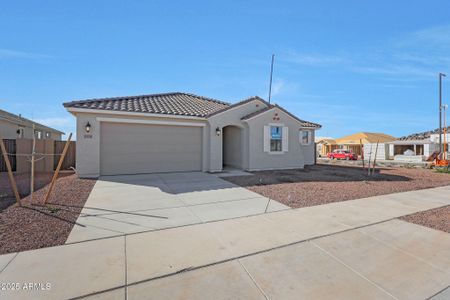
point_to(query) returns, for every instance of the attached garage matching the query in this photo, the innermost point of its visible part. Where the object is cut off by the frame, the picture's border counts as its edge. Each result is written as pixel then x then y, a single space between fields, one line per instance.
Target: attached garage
pixel 142 148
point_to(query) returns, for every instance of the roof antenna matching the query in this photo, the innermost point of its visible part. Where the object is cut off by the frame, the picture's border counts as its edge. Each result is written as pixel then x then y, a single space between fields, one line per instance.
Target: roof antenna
pixel 271 73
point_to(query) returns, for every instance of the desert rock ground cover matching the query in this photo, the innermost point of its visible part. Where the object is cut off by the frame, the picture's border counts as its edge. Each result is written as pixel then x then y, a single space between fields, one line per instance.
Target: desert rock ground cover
pixel 32 225
pixel 321 184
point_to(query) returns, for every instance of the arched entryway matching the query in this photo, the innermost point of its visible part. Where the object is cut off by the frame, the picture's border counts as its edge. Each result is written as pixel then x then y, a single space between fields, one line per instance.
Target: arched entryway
pixel 232 147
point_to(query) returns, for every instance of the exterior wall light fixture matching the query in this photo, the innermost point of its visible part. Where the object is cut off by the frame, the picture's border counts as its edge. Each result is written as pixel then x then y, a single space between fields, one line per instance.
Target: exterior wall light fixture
pixel 217 131
pixel 88 127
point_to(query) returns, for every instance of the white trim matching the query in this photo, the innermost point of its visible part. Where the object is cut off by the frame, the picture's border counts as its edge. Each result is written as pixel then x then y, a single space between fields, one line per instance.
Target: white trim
pixel 154 122
pixel 258 115
pixel 125 113
pixel 300 137
pixel 285 139
pixel 276 152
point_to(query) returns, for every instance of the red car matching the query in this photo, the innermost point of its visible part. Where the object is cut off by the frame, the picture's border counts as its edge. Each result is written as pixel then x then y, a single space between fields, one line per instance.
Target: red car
pixel 342 154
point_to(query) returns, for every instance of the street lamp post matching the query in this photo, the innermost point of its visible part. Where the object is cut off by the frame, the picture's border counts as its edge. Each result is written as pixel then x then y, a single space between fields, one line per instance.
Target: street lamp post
pixel 440 112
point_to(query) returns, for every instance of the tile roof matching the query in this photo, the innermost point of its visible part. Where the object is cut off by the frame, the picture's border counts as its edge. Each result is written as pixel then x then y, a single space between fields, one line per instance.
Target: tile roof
pixel 271 106
pixel 422 135
pixel 169 103
pixel 182 104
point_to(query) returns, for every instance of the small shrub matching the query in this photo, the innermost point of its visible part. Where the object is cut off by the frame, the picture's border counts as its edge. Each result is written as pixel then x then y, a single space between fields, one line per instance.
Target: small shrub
pixel 443 170
pixel 52 209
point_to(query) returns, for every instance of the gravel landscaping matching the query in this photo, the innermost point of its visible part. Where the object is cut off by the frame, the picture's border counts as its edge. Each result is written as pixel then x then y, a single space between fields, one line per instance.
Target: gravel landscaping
pixel 41 179
pixel 321 184
pixel 35 226
pixel 438 218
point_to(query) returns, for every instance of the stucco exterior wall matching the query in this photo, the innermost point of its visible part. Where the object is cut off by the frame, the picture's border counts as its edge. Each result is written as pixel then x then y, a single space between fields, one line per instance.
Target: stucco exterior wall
pixel 8 130
pixel 296 156
pixel 88 144
pixel 230 117
pixel 308 150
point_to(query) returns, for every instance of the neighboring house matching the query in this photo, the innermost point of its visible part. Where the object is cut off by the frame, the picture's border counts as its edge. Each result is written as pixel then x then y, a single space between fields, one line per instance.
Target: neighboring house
pixel 368 140
pixel 184 132
pixel 17 127
pixel 418 146
pixel 325 145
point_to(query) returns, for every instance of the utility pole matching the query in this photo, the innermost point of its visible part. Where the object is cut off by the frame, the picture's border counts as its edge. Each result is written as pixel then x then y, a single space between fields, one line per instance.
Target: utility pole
pixel 271 73
pixel 440 112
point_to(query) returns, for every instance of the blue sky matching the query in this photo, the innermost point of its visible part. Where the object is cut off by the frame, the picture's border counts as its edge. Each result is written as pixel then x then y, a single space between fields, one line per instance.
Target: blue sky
pixel 348 65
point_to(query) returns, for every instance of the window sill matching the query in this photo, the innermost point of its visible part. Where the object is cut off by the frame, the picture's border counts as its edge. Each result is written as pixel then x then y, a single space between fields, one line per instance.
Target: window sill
pixel 276 152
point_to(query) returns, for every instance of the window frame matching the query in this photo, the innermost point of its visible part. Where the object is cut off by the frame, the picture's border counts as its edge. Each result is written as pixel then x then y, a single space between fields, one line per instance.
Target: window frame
pixel 302 131
pixel 39 134
pixel 279 140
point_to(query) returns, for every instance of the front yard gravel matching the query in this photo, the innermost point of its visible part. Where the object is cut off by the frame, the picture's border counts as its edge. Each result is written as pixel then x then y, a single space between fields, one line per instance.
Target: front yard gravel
pixel 321 184
pixel 438 218
pixel 35 226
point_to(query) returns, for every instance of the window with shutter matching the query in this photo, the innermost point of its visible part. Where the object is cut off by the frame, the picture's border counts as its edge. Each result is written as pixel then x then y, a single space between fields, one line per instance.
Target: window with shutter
pixel 276 138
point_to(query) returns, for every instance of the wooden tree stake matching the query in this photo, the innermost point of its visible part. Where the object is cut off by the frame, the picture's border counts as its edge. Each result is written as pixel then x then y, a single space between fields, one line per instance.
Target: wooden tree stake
pixel 10 173
pixel 362 153
pixel 375 159
pixel 60 162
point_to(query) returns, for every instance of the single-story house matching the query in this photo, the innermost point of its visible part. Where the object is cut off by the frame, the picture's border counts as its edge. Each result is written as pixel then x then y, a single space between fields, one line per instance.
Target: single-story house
pixel 185 132
pixel 17 127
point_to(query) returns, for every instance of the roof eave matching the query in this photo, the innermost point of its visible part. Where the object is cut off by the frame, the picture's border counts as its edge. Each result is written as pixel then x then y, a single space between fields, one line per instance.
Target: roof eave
pixel 75 110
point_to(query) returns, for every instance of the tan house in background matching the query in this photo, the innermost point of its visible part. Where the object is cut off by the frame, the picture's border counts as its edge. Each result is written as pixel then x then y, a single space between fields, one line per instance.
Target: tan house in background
pixel 17 133
pixel 325 145
pixel 17 127
pixel 354 142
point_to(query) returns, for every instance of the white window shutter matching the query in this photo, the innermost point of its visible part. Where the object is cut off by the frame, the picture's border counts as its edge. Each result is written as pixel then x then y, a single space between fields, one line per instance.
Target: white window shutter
pixel 285 139
pixel 266 139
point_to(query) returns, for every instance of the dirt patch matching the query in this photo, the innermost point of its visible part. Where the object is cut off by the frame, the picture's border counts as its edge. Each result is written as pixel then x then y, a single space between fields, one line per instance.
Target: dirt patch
pixel 33 226
pixel 321 184
pixel 438 218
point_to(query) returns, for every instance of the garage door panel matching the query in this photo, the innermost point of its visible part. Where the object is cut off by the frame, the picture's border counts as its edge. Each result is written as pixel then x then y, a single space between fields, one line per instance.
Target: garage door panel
pixel 138 148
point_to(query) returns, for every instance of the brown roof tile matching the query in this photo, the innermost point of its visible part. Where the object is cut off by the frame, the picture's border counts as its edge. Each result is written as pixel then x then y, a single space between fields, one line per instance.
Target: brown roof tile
pixel 170 104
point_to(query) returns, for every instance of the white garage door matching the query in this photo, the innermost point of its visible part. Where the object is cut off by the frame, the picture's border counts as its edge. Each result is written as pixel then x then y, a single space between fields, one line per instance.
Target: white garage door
pixel 137 148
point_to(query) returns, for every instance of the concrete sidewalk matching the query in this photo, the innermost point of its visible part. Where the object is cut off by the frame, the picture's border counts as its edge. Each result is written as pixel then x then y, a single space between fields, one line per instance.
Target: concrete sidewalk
pixel 350 249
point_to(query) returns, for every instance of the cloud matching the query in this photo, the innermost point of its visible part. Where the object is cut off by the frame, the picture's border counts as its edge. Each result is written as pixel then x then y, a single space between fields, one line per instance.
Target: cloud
pixel 396 70
pixel 56 122
pixel 431 37
pixel 311 59
pixel 415 55
pixel 8 53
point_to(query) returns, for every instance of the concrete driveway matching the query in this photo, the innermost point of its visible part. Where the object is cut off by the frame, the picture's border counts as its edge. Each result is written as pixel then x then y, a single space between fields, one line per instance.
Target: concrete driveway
pixel 129 204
